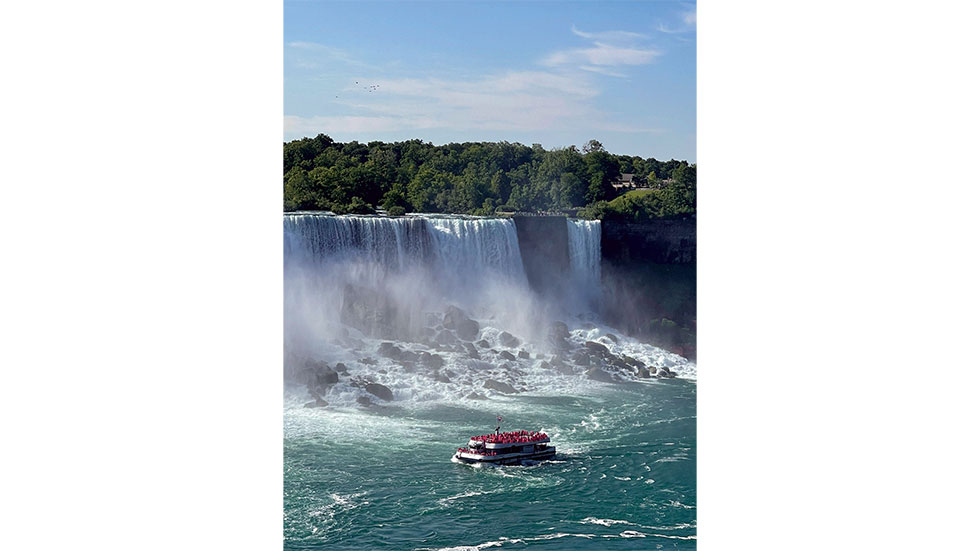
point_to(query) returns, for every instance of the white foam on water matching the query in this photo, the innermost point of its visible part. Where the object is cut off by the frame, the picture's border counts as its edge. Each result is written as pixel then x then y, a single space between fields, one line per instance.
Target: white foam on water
pixel 447 501
pixel 675 503
pixel 647 353
pixel 603 521
pixel 626 534
pixel 505 540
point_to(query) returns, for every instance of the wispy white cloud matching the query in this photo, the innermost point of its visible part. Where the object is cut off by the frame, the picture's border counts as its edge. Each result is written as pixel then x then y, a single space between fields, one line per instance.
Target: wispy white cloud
pixel 687 21
pixel 313 52
pixel 521 100
pixel 559 96
pixel 610 36
pixel 609 49
pixel 603 54
pixel 516 101
pixel 601 71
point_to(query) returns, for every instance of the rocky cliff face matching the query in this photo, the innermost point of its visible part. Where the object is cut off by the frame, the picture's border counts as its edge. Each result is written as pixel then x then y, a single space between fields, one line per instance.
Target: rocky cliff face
pixel 544 249
pixel 648 274
pixel 649 281
pixel 660 242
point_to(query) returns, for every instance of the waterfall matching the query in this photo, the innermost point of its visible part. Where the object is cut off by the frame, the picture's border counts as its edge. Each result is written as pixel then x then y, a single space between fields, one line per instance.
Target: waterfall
pixel 453 259
pixel 467 248
pixel 474 249
pixel 584 253
pixel 355 288
pixel 390 243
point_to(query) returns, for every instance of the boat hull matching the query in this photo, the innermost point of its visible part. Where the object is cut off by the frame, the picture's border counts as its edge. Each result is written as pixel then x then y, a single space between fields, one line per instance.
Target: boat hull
pixel 505 459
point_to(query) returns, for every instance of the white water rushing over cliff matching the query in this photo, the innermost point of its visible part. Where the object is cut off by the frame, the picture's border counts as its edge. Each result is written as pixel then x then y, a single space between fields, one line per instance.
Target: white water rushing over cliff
pixel 439 308
pixel 585 252
pixel 461 252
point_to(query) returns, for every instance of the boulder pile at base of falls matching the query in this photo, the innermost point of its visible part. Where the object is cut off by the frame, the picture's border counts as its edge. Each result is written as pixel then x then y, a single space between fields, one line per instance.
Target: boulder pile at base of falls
pixel 446 351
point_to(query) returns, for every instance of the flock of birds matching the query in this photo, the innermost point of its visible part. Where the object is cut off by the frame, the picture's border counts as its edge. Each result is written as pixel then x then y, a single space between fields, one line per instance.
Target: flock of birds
pixel 370 88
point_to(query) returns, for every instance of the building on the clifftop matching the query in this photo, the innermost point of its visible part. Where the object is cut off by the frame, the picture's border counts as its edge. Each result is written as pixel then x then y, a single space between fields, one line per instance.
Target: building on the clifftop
pixel 625 181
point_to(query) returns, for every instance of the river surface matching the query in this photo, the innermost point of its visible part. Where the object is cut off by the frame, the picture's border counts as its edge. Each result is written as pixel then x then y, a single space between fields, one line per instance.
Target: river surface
pixel 382 478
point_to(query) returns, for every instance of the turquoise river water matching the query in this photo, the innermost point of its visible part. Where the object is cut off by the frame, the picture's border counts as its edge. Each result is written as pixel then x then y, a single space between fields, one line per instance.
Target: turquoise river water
pixel 381 477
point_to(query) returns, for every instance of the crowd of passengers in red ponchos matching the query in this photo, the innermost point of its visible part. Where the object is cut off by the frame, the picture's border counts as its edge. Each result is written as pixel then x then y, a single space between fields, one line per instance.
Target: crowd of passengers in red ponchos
pixel 518 436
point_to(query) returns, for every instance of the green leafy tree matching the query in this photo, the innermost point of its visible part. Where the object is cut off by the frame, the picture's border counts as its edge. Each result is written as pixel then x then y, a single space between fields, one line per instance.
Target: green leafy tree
pixel 429 190
pixel 602 169
pixel 359 206
pixel 396 197
pixel 592 146
pixel 298 192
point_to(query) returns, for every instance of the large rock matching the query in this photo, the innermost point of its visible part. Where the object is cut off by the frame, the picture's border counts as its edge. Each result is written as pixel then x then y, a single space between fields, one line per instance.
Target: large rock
pixel 561 367
pixel 597 347
pixel 318 403
pixel 432 361
pixel 499 386
pixel 507 356
pixel 389 350
pixel 327 377
pixel 559 329
pixel 581 358
pixel 373 312
pixel 318 375
pixel 558 335
pixel 524 355
pixel 630 360
pixel 452 315
pixel 475 396
pixel 456 320
pixel 617 361
pixel 598 374
pixel 441 377
pixel 482 343
pixel 467 329
pixel 665 373
pixel 379 390
pixel 445 337
pixel 642 372
pixel 508 340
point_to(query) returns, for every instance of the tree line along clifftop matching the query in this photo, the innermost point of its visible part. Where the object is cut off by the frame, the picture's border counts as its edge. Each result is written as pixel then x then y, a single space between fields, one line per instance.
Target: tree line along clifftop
pixel 483 178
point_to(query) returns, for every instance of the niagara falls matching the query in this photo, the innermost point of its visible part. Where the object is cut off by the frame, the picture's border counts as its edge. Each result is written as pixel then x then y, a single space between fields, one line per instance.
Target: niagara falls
pixel 405 335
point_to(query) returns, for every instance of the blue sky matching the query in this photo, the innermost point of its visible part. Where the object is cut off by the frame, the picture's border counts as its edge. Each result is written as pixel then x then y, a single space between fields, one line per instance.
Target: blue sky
pixel 548 72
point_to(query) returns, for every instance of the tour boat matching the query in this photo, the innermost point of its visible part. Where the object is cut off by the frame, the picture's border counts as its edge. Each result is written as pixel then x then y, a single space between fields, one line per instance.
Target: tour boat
pixel 506 448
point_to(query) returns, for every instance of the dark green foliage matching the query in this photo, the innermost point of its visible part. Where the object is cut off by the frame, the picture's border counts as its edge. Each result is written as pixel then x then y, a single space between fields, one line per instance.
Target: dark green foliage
pixel 396 211
pixel 675 197
pixel 477 178
pixel 359 206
